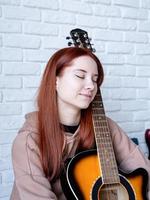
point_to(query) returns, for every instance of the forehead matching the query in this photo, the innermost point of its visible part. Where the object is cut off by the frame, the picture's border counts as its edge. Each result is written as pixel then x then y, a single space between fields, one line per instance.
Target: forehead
pixel 84 63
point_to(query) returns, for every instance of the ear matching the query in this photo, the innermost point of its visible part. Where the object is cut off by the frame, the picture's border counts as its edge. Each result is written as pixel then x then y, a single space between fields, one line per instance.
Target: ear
pixel 57 80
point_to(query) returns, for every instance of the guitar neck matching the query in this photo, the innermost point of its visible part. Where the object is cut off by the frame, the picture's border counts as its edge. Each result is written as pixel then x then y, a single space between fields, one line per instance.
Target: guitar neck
pixel 104 142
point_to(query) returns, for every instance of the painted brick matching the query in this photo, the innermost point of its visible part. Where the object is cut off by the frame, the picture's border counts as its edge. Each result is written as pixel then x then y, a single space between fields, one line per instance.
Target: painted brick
pixel 121 116
pixel 119 70
pixel 106 94
pixel 7 177
pixel 7 26
pixel 92 21
pixel 5 191
pixel 106 11
pixel 133 13
pixel 145 4
pixel 123 93
pixel 107 35
pixel 112 59
pixel 147 124
pixel 143 93
pixel 133 3
pixel 34 28
pixel 5 150
pixel 31 82
pixel 21 41
pixel 59 17
pixel 143 49
pixel 10 82
pixel 132 82
pixel 112 105
pixel 123 24
pixel 0 41
pixel 77 7
pixel 0 68
pixel 11 54
pixel 135 105
pixel 7 137
pixel 1 97
pixel 144 26
pixel 5 163
pixel 107 2
pixel 53 4
pixel 141 116
pixel 132 126
pixel 54 42
pixel 28 107
pixel 10 2
pixel 19 95
pixel 5 198
pixel 112 82
pixel 138 60
pixel 143 71
pixel 9 123
pixel 120 48
pixel 38 55
pixel 99 46
pixel 22 13
pixel 10 109
pixel 19 68
pixel 136 37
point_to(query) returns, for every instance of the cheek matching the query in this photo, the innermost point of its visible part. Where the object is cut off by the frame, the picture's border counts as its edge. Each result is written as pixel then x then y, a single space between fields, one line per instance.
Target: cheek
pixel 95 91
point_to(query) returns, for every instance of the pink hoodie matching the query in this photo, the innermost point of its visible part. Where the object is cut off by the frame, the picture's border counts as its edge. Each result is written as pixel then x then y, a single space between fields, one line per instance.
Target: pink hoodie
pixel 30 182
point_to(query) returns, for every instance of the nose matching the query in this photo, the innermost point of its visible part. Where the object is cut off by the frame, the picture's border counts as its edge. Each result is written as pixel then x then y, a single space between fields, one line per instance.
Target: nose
pixel 90 85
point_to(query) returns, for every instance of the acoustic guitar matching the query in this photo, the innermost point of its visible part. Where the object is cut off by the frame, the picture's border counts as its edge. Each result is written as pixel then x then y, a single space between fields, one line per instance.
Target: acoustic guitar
pixel 93 174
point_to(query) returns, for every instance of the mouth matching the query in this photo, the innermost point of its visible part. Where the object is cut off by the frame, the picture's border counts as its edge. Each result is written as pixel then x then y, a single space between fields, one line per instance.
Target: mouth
pixel 89 96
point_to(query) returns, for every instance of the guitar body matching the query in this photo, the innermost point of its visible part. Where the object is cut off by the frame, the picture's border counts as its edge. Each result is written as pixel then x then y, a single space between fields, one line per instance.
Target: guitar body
pixel 84 181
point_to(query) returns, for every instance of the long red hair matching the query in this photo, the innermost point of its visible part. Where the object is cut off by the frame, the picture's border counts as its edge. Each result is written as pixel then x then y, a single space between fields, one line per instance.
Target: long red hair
pixel 51 138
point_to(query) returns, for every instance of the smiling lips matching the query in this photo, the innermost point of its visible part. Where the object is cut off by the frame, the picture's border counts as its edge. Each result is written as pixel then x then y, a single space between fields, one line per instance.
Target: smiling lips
pixel 89 96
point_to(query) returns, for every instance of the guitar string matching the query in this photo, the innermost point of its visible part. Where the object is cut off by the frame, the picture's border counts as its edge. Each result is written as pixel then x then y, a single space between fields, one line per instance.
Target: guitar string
pixel 105 130
pixel 101 123
pixel 102 127
pixel 107 143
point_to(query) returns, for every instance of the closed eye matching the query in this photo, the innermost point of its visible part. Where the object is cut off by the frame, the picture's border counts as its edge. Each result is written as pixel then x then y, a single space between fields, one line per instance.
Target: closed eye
pixel 95 80
pixel 82 77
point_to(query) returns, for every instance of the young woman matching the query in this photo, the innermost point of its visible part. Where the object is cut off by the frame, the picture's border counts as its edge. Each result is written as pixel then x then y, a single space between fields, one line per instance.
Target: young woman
pixel 62 125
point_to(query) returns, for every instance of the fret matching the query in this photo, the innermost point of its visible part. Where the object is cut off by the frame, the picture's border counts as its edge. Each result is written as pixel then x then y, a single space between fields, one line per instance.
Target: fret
pixel 99 118
pixel 97 105
pixel 98 109
pixel 104 142
pixel 101 135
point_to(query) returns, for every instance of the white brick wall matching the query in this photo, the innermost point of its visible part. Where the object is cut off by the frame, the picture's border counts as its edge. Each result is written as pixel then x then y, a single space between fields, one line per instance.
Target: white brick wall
pixel 30 32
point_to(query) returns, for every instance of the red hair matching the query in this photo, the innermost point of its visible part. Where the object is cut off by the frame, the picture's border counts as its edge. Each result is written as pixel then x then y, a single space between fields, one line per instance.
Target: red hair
pixel 51 139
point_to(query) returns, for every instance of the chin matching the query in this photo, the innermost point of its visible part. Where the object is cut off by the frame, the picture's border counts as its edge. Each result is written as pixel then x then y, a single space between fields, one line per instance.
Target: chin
pixel 84 106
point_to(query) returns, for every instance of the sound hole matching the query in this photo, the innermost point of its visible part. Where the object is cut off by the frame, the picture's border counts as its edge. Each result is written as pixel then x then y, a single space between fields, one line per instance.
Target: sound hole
pixel 113 192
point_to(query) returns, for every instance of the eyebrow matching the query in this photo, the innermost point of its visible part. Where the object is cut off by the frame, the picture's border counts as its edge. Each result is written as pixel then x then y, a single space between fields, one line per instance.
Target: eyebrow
pixel 82 70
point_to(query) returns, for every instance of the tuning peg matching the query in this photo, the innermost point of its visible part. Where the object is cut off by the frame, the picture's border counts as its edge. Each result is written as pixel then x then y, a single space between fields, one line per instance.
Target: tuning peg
pixel 68 38
pixel 70 43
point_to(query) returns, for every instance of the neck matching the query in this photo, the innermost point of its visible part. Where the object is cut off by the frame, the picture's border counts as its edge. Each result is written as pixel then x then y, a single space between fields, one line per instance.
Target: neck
pixel 69 117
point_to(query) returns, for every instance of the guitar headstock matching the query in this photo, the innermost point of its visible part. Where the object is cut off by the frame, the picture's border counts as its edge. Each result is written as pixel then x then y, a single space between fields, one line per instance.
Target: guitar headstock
pixel 80 39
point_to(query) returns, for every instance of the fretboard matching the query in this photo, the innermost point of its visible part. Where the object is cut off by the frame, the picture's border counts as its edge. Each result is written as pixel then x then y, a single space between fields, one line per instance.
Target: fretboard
pixel 104 142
